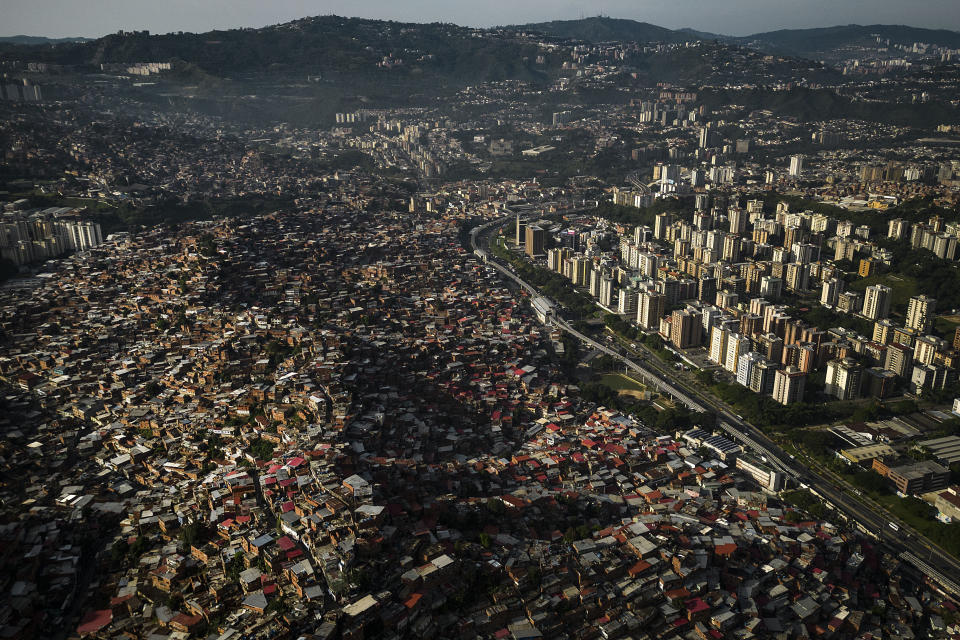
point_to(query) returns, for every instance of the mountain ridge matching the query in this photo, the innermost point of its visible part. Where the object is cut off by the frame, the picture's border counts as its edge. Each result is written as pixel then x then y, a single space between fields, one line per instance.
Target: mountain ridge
pixel 603 29
pixel 803 42
pixel 331 44
pixel 40 40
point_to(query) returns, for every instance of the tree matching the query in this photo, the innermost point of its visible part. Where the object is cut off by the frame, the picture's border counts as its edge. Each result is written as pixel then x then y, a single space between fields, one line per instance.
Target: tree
pixel 191 533
pixel 206 245
pixel 496 506
pixel 119 550
pixel 871 481
pixel 235 566
pixel 139 546
pixel 261 449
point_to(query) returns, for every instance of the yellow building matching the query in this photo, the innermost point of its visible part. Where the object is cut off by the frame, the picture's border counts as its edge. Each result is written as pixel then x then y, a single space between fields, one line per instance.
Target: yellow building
pixel 857 455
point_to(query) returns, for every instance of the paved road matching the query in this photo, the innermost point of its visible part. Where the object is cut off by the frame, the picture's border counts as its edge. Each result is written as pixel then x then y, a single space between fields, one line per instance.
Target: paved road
pixel 939 566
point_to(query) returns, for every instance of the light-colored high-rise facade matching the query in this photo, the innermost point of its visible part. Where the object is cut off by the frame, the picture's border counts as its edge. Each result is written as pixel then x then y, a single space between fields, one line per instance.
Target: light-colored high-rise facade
pixel 876 302
pixel 788 385
pixel 844 379
pixel 920 312
pixel 650 308
pixel 796 166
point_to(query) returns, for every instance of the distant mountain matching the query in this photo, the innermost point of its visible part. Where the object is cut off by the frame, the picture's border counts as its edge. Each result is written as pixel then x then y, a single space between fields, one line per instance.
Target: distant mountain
pixel 39 40
pixel 798 42
pixel 413 54
pixel 601 29
pixel 816 42
pixel 327 45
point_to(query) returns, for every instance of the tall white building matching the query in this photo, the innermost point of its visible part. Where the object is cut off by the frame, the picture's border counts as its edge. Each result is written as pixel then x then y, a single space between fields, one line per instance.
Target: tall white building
pixel 920 312
pixel 580 271
pixel 745 366
pixel 844 379
pixel 788 385
pixel 926 348
pixel 595 278
pixel 718 345
pixel 648 264
pixel 796 165
pixel 876 302
pixel 736 345
pixel 831 291
pixel 627 301
pixel 606 291
pixel 84 235
pixel 650 308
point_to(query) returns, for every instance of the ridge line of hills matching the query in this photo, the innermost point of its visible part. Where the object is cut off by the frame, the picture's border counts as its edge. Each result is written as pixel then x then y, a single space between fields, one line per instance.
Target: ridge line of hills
pixel 801 42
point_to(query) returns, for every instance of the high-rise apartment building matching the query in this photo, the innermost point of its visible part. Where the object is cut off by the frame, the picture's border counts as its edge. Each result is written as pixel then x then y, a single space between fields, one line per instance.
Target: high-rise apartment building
pixel 650 308
pixel 685 329
pixel 534 241
pixel 844 378
pixel 830 292
pixel 520 231
pixel 788 385
pixel 796 166
pixel 876 302
pixel 920 313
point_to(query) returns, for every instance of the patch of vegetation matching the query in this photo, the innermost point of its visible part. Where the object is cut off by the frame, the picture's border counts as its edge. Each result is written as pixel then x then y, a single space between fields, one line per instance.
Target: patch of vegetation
pixel 805 501
pixel 904 287
pixel 331 45
pixel 824 104
pixel 7 270
pixel 825 319
pixel 261 449
pixel 767 414
pixel 620 382
pixel 635 216
pixel 549 283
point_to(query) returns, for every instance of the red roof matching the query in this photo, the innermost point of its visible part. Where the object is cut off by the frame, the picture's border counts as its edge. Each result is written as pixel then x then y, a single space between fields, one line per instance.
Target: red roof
pixel 696 605
pixel 94 621
pixel 186 620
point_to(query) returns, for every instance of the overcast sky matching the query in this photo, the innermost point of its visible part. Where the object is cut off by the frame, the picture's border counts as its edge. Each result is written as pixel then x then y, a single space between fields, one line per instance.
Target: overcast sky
pixel 93 18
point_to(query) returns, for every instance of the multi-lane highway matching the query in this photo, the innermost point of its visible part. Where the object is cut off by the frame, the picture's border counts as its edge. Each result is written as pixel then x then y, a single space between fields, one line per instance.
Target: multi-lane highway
pixel 938 566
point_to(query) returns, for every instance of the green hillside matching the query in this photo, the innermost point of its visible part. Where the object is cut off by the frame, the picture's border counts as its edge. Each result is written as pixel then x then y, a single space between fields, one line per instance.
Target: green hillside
pixel 607 29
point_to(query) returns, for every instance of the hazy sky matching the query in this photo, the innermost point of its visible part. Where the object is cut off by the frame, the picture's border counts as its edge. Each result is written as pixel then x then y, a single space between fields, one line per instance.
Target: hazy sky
pixel 61 18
